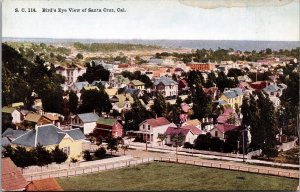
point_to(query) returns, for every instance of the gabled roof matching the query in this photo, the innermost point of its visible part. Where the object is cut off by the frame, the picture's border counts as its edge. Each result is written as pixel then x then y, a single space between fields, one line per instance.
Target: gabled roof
pixel 175 131
pixel 271 88
pixel 88 117
pixel 99 82
pixel 111 92
pixel 76 134
pixel 193 122
pixel 44 135
pixel 157 122
pixel 193 129
pixel 165 81
pixel 137 82
pixel 89 87
pixel 13 133
pixel 12 178
pixel 8 109
pixel 18 104
pixel 80 85
pixel 33 117
pixel 49 184
pixel 106 121
pixel 233 93
pixel 226 127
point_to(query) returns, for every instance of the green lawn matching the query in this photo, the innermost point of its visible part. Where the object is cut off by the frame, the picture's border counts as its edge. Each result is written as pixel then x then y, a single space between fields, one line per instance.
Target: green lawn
pixel 168 176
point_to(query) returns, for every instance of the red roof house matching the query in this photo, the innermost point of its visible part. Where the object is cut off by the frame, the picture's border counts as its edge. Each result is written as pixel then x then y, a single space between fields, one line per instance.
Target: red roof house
pixel 49 184
pixel 12 178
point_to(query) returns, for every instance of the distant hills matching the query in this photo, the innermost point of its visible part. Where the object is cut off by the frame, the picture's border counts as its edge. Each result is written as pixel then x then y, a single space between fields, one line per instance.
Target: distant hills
pixel 192 44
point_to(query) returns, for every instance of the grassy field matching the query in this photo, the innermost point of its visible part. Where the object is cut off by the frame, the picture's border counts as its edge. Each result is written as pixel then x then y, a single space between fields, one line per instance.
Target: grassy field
pixel 168 176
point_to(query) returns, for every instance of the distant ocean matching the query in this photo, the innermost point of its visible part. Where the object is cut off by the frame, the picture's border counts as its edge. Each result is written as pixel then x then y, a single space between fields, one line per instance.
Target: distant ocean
pixel 193 44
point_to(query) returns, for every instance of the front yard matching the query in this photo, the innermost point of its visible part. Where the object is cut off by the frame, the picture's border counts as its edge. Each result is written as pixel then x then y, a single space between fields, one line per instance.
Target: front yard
pixel 169 176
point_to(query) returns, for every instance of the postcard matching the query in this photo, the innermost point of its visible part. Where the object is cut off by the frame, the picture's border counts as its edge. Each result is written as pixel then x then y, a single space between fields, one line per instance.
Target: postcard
pixel 150 95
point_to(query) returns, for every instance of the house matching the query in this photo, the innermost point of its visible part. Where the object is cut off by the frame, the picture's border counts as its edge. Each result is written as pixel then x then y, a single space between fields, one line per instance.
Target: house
pixel 212 92
pixel 150 128
pixel 193 122
pixel 105 84
pixel 85 121
pixel 228 116
pixel 36 119
pixel 189 133
pixel 111 92
pixel 17 116
pixel 166 86
pixel 273 90
pixel 107 127
pixel 121 106
pixel 183 85
pixel 220 129
pixel 233 97
pixel 201 66
pixel 275 100
pixel 71 72
pixel 119 82
pixel 78 86
pixel 55 118
pixel 12 177
pixel 136 84
pixel 12 134
pixel 70 141
pixel 48 184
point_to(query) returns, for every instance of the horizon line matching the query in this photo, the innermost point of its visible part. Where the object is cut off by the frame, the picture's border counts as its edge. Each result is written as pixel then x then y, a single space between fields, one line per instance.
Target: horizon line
pixel 142 39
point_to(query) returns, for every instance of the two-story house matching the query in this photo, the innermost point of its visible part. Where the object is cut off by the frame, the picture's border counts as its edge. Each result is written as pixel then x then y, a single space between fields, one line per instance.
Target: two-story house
pixel 85 121
pixel 166 86
pixel 108 127
pixel 71 73
pixel 233 96
pixel 151 128
pixel 136 84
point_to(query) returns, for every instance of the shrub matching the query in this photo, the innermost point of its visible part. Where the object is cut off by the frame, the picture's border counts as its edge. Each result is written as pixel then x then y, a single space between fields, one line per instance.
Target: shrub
pixel 188 145
pixel 43 156
pixel 73 160
pixel 100 153
pixel 58 155
pixel 87 156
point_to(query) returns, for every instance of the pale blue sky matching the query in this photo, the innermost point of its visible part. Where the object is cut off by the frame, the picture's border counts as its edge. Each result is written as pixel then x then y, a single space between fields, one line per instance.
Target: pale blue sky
pixel 152 19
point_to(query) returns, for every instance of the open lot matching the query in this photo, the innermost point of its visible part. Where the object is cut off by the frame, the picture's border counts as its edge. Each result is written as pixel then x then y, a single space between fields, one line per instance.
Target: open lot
pixel 169 176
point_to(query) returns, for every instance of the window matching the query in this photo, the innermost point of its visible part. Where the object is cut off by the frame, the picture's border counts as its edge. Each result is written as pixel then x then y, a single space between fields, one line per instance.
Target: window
pixel 216 133
pixel 66 150
pixel 148 127
pixel 143 126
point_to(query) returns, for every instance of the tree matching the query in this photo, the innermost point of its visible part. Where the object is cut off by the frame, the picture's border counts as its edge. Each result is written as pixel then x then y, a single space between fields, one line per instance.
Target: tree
pixel 159 106
pixel 97 100
pixel 173 113
pixel 95 73
pixel 79 56
pixel 43 156
pixel 161 138
pixel 23 158
pixel 58 155
pixel 232 138
pixel 203 142
pixel 73 102
pixel 100 153
pixel 124 148
pixel 202 103
pixel 216 144
pixel 178 139
pixel 87 155
pixel 112 144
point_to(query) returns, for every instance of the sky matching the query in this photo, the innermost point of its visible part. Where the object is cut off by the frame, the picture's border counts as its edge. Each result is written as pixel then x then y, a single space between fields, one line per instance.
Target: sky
pixel 154 19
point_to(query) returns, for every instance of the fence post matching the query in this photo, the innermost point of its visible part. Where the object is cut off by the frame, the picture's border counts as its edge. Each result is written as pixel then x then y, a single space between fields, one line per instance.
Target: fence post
pixel 210 164
pixel 169 160
pixel 184 161
pixel 220 165
pixel 268 171
pixel 229 166
pixel 160 158
pixel 98 168
pixel 83 171
pixel 67 173
pixel 194 163
pixel 75 172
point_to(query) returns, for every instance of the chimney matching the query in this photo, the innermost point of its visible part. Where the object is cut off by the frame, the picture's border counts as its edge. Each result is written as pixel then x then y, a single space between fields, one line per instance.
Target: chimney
pixel 155 116
pixel 94 111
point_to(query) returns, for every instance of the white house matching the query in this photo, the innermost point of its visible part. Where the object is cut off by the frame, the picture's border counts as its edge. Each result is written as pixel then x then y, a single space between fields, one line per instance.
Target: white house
pixel 121 106
pixel 85 121
pixel 17 116
pixel 71 73
pixel 189 133
pixel 150 128
pixel 220 129
pixel 166 86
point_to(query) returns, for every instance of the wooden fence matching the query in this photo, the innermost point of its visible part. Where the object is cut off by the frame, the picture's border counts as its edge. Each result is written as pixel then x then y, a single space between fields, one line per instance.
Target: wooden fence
pixel 245 168
pixel 86 170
